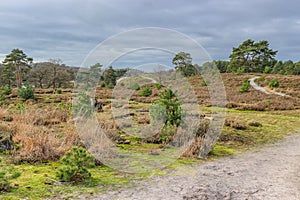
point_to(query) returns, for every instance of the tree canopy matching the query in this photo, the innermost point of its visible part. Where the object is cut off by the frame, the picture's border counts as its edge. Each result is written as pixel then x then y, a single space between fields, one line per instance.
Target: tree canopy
pixel 251 56
pixel 183 63
pixel 16 65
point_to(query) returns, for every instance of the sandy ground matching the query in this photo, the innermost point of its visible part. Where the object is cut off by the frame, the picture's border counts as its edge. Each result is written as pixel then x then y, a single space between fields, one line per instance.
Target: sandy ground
pixel 268 173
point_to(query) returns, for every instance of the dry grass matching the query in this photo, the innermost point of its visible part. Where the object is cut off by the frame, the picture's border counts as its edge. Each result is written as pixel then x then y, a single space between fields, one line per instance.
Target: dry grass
pixel 288 84
pixel 39 138
pixel 193 150
pixel 253 100
pixel 236 124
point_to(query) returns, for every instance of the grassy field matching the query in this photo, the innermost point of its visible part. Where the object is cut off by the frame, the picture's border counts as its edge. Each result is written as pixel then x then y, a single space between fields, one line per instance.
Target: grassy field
pixel 43 130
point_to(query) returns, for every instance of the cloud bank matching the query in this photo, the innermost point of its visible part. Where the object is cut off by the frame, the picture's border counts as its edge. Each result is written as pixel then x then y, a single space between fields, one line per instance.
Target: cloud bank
pixel 70 29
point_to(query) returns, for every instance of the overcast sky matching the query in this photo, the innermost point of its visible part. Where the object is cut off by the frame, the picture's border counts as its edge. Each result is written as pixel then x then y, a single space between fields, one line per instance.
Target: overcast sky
pixel 70 29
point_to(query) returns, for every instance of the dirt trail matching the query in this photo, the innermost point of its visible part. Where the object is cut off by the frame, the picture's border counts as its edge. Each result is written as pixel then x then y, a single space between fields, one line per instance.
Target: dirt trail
pixel 268 173
pixel 262 89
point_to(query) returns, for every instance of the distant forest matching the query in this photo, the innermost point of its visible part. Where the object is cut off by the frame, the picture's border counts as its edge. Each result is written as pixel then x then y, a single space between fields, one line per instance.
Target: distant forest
pixel 248 57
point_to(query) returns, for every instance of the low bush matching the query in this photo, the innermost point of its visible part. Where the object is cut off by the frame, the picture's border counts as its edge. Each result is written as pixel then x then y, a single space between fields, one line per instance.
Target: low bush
pixel 110 86
pixel 235 124
pixel 102 84
pixel 167 106
pixel 196 145
pixel 245 87
pixel 255 124
pixel 146 91
pixel 3 100
pixel 274 83
pixel 204 83
pixel 5 90
pixel 82 105
pixel 26 93
pixel 76 164
pixel 167 134
pixel 58 91
pixel 158 86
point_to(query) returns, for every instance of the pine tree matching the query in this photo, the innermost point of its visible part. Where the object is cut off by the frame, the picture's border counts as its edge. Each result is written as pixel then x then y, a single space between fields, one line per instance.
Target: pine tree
pixel 76 164
pixel 16 65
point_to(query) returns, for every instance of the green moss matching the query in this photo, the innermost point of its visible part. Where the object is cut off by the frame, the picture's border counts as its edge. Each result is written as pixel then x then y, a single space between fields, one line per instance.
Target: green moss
pixel 219 150
pixel 33 182
pixel 274 128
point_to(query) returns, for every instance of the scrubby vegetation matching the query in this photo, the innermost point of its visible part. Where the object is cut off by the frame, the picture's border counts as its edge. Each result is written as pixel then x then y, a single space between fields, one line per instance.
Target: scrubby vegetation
pixel 26 93
pixel 167 107
pixel 76 164
pixel 274 83
pixel 146 91
pixel 245 87
pixel 38 133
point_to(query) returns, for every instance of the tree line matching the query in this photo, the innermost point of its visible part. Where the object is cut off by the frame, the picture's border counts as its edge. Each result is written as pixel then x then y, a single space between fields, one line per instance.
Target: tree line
pixel 17 69
pixel 248 57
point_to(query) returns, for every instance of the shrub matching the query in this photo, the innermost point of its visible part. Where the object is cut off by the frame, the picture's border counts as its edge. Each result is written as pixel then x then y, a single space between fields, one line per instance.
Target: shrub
pixel 255 124
pixel 20 107
pixel 26 93
pixel 245 86
pixel 235 124
pixel 274 83
pixel 158 86
pixel 3 99
pixel 110 86
pixel 134 86
pixel 102 84
pixel 76 164
pixel 5 90
pixel 58 91
pixel 82 105
pixel 166 133
pixel 169 107
pixel 158 112
pixel 146 91
pixel 6 175
pixel 203 84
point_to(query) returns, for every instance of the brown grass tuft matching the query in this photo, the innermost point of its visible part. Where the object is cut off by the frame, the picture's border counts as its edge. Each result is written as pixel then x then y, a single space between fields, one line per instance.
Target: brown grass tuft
pixel 37 139
pixel 236 124
pixel 194 148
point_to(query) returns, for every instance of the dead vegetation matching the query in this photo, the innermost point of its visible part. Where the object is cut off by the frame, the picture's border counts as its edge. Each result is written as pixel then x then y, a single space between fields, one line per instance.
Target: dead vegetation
pixel 194 148
pixel 236 124
pixel 39 136
pixel 252 100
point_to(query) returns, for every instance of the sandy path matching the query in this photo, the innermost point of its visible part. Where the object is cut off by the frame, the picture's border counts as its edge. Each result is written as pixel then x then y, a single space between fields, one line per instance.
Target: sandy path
pixel 268 173
pixel 259 88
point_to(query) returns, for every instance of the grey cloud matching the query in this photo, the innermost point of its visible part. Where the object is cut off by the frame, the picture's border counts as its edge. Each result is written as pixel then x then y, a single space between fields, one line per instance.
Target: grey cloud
pixel 69 29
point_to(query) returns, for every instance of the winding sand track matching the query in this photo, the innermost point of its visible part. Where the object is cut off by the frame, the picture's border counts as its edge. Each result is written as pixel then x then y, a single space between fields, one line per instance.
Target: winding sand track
pixel 257 87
